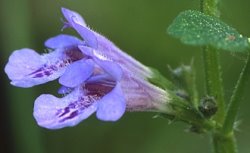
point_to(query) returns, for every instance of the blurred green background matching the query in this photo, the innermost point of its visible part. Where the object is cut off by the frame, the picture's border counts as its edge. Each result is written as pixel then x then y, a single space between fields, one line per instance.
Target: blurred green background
pixel 139 28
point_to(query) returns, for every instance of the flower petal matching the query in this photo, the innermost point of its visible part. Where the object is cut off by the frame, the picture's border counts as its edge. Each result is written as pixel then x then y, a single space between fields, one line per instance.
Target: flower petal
pixel 21 63
pixel 111 68
pixel 104 62
pixel 101 78
pixel 27 68
pixel 112 106
pixel 69 14
pixel 64 90
pixel 106 47
pixel 55 113
pixel 87 34
pixel 77 73
pixel 86 50
pixel 62 41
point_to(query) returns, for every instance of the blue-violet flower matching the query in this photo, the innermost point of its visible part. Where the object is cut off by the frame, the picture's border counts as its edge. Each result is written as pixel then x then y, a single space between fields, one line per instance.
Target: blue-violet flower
pixel 94 74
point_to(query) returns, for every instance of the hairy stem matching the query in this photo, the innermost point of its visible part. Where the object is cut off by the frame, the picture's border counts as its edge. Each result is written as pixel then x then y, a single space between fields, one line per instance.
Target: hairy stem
pixel 222 142
pixel 210 7
pixel 214 86
pixel 213 81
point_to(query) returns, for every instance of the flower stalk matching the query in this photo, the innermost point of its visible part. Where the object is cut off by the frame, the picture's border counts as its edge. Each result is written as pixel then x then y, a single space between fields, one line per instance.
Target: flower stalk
pixel 179 108
pixel 189 114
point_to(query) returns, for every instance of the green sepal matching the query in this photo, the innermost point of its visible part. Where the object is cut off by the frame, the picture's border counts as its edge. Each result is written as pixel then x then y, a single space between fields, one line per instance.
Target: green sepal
pixel 160 81
pixel 184 78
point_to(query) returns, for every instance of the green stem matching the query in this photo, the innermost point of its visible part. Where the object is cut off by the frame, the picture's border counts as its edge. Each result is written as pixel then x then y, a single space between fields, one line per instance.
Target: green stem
pixel 222 142
pixel 212 67
pixel 213 81
pixel 236 99
pixel 202 5
pixel 210 7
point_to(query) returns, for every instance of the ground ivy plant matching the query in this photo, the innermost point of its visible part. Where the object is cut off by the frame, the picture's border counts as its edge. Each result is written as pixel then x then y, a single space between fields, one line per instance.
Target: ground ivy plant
pixel 97 77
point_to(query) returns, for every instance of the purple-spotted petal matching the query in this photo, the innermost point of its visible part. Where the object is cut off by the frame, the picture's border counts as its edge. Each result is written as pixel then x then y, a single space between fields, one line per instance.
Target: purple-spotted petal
pixel 112 106
pixel 87 34
pixel 69 14
pixel 55 113
pixel 62 41
pixel 27 68
pixel 77 73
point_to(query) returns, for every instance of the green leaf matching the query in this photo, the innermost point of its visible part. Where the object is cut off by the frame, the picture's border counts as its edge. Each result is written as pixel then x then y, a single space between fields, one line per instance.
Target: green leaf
pixel 196 28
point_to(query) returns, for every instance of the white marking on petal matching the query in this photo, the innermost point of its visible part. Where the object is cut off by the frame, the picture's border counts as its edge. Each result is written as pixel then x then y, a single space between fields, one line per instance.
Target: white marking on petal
pixel 101 56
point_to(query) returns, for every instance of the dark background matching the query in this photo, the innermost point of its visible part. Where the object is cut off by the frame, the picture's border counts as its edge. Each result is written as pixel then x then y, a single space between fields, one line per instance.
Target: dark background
pixel 139 28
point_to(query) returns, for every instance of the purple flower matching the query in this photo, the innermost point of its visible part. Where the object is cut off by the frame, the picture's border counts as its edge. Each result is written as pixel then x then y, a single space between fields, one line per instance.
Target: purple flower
pixel 95 75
